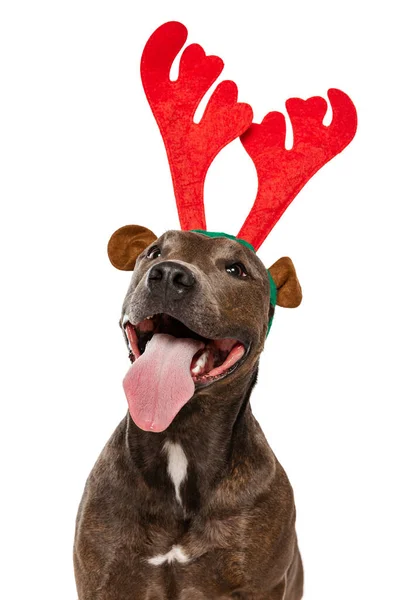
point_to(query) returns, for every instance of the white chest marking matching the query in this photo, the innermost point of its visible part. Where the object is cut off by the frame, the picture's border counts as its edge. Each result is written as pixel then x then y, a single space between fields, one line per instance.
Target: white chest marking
pixel 177 467
pixel 176 553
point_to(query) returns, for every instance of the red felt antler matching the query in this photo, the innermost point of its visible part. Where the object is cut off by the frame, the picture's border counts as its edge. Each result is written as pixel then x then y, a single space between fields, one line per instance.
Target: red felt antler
pixel 191 147
pixel 282 173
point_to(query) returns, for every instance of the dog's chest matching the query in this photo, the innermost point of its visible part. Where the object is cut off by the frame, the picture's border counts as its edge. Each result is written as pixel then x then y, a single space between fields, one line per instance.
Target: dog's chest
pixel 180 558
pixel 143 539
pixel 192 569
pixel 215 574
pixel 203 560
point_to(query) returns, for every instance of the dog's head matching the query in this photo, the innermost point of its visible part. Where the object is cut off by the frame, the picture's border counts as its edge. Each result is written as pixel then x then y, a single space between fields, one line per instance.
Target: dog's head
pixel 198 308
pixel 196 314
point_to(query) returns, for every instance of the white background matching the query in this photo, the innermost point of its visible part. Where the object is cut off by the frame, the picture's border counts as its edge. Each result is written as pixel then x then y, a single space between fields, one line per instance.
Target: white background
pixel 82 156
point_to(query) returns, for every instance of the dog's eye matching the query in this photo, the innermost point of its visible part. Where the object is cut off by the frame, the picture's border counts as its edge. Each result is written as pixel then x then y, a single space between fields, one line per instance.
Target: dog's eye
pixel 237 270
pixel 154 252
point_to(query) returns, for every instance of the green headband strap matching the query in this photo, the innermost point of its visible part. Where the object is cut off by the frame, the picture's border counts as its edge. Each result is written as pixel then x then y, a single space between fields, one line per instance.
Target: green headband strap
pixel 217 234
pixel 272 286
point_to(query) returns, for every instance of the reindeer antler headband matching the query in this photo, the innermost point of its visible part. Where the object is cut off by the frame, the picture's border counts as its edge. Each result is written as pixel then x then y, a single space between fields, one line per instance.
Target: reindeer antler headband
pixel 191 147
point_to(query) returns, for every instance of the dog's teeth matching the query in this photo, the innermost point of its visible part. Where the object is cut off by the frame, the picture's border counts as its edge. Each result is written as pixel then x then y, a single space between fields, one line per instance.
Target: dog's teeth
pixel 125 320
pixel 200 363
pixel 147 318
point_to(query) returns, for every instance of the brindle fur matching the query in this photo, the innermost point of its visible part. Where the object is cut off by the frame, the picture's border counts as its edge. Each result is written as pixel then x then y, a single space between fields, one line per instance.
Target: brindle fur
pixel 237 523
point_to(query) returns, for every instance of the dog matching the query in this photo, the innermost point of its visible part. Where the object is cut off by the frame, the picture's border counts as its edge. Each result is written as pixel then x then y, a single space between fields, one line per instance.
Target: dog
pixel 187 500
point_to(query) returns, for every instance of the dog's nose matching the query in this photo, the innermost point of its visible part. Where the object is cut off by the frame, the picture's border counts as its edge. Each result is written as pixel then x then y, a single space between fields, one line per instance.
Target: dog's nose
pixel 170 278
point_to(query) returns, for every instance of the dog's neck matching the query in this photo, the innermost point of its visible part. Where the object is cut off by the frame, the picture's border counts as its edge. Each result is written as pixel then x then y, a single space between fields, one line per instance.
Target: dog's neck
pixel 186 462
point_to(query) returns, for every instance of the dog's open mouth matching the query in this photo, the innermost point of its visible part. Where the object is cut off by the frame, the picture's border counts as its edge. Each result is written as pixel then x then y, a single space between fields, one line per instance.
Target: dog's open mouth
pixel 169 361
pixel 213 360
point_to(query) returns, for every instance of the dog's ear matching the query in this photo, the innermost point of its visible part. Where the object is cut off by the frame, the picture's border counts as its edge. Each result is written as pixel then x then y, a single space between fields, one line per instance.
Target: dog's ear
pixel 126 244
pixel 288 287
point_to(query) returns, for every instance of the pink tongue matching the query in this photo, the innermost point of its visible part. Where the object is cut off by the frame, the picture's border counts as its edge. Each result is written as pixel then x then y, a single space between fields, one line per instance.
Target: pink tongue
pixel 159 382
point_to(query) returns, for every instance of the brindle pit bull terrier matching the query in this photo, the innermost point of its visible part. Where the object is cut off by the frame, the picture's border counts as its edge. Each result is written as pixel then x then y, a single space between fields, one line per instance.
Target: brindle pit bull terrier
pixel 187 501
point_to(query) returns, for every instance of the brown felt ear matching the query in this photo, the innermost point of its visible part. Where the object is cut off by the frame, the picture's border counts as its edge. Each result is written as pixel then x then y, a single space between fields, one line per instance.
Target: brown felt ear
pixel 288 287
pixel 126 244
